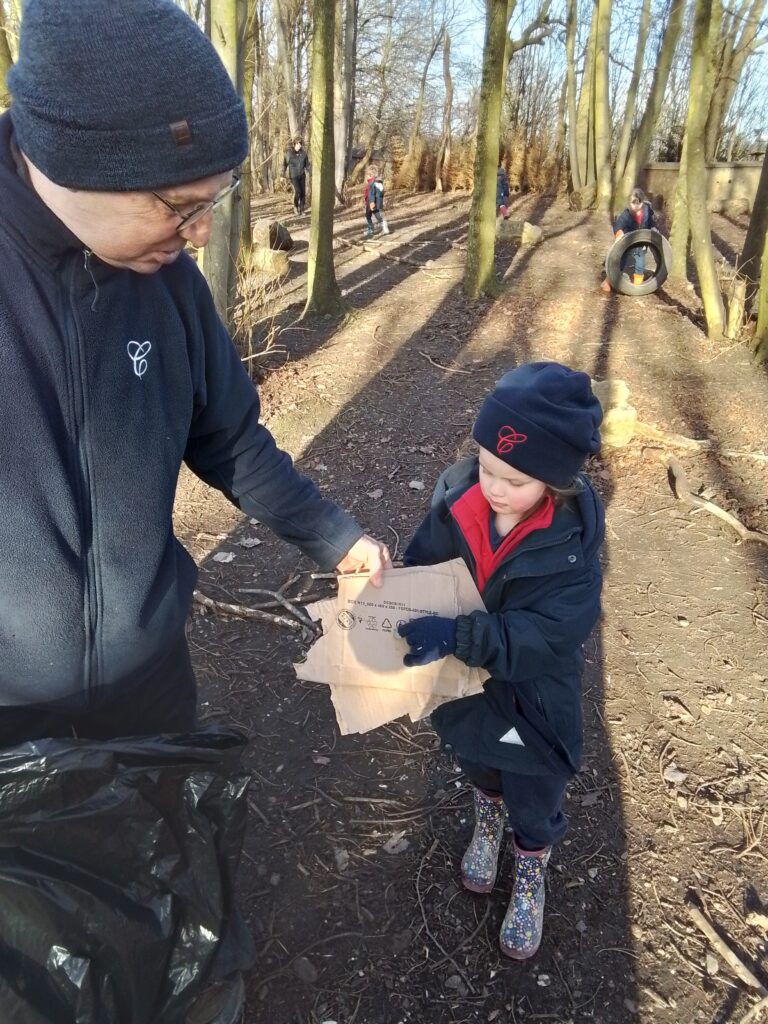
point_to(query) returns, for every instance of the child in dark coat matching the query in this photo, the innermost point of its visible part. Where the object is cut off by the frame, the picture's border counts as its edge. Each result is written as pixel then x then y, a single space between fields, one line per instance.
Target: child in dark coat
pixel 638 214
pixel 502 192
pixel 529 527
pixel 373 198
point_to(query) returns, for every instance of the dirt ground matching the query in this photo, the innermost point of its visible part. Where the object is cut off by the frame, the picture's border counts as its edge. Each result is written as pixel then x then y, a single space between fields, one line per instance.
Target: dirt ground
pixel 669 808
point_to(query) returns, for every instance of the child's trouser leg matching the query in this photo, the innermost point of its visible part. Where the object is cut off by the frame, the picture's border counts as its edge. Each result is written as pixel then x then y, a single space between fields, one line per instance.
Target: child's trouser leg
pixel 480 861
pixel 534 803
pixel 369 221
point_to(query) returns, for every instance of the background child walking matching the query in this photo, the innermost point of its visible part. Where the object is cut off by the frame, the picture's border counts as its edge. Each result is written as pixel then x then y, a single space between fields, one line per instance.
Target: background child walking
pixel 296 165
pixel 373 198
pixel 529 527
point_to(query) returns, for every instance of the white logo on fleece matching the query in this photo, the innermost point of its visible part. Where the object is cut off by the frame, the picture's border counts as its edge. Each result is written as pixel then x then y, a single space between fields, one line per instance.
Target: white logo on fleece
pixel 138 352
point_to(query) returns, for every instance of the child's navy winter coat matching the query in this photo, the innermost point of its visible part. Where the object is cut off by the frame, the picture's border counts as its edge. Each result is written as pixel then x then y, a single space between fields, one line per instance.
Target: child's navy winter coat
pixel 502 188
pixel 626 221
pixel 374 193
pixel 541 603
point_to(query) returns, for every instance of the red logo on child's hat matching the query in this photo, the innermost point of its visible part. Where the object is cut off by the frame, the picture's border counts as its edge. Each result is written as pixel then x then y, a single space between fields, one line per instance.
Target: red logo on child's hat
pixel 508 438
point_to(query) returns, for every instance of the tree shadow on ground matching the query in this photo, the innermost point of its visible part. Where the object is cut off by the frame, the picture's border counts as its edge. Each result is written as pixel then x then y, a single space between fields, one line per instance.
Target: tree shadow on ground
pixel 345 930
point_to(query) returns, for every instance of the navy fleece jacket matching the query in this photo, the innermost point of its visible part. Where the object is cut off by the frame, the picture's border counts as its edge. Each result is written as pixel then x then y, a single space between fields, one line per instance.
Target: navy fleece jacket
pixel 109 380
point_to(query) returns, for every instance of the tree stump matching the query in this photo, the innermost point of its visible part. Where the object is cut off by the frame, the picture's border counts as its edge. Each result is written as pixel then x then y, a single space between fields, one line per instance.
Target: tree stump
pixel 619 417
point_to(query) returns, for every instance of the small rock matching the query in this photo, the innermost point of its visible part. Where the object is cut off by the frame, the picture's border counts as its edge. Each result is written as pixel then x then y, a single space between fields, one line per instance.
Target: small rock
pixel 396 843
pixel 543 980
pixel 712 963
pixel 320 759
pixel 305 970
pixel 416 485
pixel 342 859
pixel 224 556
pixel 455 983
pixel 673 774
pixel 375 494
pixel 249 542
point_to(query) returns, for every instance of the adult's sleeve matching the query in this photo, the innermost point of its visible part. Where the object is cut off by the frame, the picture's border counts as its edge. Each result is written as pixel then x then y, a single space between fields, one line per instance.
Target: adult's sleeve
pixel 232 451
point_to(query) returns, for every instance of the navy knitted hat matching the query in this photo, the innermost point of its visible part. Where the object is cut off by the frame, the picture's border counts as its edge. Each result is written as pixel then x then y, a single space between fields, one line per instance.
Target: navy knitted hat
pixel 122 95
pixel 543 419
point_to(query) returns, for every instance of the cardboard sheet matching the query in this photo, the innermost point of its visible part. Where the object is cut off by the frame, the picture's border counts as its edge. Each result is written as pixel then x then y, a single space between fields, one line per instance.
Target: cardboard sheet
pixel 361 658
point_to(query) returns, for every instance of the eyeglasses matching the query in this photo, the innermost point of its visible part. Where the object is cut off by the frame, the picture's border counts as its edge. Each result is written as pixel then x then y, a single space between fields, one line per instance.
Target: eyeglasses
pixel 188 219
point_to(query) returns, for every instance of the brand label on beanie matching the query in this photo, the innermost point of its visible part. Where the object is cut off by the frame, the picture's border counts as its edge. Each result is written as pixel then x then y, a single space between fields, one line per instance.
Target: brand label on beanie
pixel 508 438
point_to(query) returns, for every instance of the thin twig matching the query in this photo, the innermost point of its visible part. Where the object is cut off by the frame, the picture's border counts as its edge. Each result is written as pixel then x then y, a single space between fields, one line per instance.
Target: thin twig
pixel 288 605
pixel 241 611
pixel 445 369
pixel 742 971
pixel 684 493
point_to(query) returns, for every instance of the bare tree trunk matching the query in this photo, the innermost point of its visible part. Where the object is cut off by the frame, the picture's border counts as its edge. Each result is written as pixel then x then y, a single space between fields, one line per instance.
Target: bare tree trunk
pixel 705 28
pixel 218 258
pixel 584 115
pixel 419 112
pixel 343 79
pixel 6 60
pixel 681 225
pixel 560 139
pixel 323 294
pixel 248 64
pixel 602 116
pixel 622 150
pixel 285 59
pixel 735 47
pixel 639 151
pixel 534 34
pixel 264 102
pixel 383 93
pixel 444 153
pixel 479 277
pixel 570 65
pixel 760 342
pixel 754 243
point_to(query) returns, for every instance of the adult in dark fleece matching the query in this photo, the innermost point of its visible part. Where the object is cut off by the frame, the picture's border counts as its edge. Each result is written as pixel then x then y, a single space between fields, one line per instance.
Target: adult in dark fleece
pixel 116 369
pixel 295 165
pixel 529 527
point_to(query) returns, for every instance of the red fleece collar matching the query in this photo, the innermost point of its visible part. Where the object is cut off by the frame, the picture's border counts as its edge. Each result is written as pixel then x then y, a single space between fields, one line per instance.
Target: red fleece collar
pixel 472 514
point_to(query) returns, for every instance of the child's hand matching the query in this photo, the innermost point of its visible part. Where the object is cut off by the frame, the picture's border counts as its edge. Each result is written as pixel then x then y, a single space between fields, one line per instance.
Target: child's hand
pixel 367 553
pixel 371 206
pixel 429 638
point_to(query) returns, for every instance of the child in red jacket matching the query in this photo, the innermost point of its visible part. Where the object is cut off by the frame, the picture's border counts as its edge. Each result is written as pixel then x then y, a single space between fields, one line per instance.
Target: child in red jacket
pixel 529 527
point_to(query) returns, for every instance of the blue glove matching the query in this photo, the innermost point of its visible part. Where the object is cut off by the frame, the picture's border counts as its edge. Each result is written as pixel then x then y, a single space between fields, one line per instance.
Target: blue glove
pixel 430 638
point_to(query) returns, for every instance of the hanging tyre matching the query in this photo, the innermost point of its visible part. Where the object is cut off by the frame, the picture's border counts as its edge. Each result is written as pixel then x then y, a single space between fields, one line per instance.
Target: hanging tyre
pixel 657 248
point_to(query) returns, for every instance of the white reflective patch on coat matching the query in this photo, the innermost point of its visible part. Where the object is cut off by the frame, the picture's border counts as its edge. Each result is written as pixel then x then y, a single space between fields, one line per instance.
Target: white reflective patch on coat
pixel 513 736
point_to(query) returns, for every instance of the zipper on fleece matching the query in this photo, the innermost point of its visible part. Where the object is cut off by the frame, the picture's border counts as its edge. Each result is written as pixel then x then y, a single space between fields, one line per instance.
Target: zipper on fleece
pixel 91 609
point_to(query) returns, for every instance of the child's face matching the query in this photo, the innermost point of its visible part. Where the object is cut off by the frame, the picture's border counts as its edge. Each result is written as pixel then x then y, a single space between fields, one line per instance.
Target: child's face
pixel 507 490
pixel 636 205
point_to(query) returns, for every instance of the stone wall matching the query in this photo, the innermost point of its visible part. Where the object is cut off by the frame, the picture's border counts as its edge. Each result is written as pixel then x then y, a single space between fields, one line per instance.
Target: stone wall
pixel 726 181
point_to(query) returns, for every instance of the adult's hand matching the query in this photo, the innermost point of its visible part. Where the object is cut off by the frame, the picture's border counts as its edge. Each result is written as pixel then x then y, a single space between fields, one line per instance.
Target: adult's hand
pixel 367 554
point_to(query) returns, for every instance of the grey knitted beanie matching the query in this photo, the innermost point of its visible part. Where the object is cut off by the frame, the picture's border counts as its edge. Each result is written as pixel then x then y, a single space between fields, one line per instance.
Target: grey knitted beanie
pixel 122 95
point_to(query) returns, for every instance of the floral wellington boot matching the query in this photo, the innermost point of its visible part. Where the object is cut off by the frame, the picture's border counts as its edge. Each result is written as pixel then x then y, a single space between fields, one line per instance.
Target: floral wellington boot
pixel 523 923
pixel 478 866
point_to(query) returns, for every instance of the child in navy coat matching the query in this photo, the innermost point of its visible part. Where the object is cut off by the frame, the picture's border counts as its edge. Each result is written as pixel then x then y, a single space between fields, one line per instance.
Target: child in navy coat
pixel 373 198
pixel 638 214
pixel 529 527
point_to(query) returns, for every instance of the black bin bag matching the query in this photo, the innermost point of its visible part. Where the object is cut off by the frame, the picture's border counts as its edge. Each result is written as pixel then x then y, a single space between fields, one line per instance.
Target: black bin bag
pixel 117 865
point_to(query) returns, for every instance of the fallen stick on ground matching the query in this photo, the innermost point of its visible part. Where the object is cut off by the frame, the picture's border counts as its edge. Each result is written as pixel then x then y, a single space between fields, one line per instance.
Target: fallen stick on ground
pixel 242 612
pixel 725 951
pixel 446 369
pixel 684 493
pixel 755 1012
pixel 693 443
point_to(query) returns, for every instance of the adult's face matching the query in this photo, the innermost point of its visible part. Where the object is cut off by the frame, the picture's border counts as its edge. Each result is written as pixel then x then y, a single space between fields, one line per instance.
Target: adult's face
pixel 133 230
